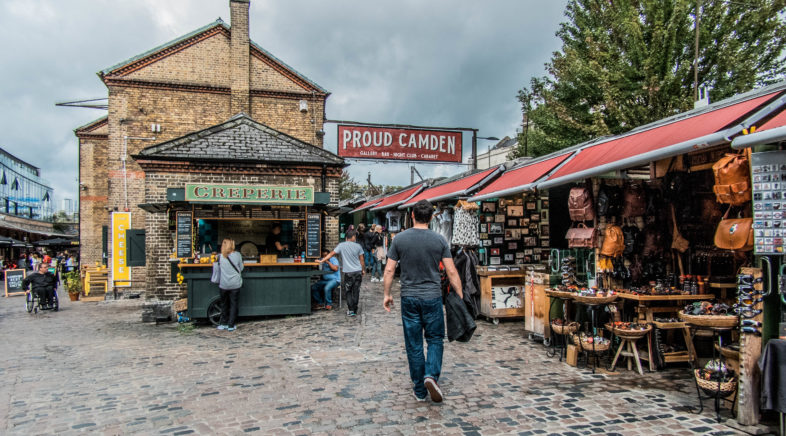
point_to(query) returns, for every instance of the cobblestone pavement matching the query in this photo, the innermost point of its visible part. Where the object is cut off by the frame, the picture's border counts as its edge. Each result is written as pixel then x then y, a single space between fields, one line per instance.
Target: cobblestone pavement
pixel 94 367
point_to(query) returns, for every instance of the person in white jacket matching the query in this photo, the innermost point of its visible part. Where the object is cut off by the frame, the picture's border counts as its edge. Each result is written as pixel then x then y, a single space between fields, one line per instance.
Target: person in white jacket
pixel 231 264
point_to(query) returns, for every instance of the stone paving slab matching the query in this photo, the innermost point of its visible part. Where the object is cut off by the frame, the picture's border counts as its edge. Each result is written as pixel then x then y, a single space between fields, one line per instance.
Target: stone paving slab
pixel 95 368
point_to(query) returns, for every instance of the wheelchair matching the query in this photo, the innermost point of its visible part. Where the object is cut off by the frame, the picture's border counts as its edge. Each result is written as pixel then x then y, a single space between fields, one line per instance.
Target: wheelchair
pixel 32 302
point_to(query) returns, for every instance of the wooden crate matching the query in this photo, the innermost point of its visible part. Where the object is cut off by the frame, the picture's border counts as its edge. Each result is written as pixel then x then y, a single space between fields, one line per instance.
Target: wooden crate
pixel 536 304
pixel 489 306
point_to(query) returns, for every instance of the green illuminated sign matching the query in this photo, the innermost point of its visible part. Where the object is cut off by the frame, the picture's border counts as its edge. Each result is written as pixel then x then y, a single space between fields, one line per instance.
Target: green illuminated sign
pixel 260 194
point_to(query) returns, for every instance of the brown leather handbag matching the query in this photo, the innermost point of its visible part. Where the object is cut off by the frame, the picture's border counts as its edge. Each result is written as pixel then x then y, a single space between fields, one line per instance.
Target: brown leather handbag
pixel 582 237
pixel 580 205
pixel 634 202
pixel 734 234
pixel 613 242
pixel 732 179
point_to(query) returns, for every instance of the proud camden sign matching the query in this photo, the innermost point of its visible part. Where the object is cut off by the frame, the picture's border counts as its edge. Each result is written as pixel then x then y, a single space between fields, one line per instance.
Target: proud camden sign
pixel 392 143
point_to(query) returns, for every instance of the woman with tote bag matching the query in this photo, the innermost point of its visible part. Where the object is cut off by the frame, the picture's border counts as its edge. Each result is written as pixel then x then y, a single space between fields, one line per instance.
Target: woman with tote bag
pixel 226 274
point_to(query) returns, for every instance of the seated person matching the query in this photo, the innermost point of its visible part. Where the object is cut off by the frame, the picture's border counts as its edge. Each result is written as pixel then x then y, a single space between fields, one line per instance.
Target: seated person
pixel 273 242
pixel 43 283
pixel 322 291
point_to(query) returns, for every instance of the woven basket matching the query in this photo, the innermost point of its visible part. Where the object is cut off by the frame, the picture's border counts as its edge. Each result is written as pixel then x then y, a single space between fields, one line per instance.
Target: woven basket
pixel 710 387
pixel 559 294
pixel 722 321
pixel 628 334
pixel 595 300
pixel 565 329
pixel 586 346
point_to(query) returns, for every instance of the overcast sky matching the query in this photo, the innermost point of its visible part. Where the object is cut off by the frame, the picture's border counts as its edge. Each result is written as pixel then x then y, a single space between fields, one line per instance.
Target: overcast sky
pixel 447 63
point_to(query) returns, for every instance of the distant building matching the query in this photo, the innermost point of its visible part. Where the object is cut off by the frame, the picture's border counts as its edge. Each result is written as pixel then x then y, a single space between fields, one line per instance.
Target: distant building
pixel 68 206
pixel 22 190
pixel 496 154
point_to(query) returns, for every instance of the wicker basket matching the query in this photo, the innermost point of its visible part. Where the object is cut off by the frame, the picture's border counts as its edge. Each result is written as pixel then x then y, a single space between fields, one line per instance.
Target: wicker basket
pixel 628 334
pixel 721 321
pixel 566 329
pixel 588 346
pixel 559 294
pixel 594 300
pixel 710 387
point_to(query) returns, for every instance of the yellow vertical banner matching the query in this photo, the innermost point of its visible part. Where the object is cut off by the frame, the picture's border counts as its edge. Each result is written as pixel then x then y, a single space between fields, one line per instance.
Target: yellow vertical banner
pixel 121 221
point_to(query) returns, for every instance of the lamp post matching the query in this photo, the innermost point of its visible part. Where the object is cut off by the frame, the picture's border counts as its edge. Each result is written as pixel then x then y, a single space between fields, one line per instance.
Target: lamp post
pixel 475 138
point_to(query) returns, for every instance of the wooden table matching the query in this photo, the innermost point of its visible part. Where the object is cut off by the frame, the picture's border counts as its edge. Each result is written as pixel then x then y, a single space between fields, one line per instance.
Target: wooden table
pixel 646 311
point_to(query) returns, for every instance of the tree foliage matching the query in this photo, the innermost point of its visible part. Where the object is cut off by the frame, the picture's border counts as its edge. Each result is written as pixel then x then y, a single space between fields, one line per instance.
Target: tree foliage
pixel 347 187
pixel 625 63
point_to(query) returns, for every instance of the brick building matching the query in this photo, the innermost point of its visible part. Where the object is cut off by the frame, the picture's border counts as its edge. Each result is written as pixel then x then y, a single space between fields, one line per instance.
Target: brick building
pixel 195 82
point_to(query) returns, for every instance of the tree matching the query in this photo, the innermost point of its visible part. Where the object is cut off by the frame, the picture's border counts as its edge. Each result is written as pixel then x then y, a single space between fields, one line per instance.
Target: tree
pixel 347 187
pixel 626 63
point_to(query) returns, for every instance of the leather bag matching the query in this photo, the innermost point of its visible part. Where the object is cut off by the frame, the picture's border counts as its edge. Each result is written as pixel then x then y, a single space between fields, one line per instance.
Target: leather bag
pixel 609 201
pixel 634 202
pixel 734 234
pixel 630 235
pixel 580 205
pixel 613 242
pixel 678 242
pixel 582 237
pixel 732 179
pixel 653 242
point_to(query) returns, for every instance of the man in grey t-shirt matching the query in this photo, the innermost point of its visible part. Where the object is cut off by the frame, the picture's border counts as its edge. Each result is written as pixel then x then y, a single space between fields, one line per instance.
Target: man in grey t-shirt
pixel 352 264
pixel 420 251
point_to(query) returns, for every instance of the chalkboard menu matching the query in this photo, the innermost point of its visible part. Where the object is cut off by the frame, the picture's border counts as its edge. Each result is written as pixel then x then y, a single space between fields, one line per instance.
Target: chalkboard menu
pixel 313 234
pixel 184 227
pixel 13 281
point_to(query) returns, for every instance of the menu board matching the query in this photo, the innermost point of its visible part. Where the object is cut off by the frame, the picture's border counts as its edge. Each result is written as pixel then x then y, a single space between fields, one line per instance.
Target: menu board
pixel 769 202
pixel 313 233
pixel 184 227
pixel 13 281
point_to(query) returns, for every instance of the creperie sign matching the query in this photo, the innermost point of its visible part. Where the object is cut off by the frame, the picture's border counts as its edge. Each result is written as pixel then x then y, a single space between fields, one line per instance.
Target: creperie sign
pixel 365 142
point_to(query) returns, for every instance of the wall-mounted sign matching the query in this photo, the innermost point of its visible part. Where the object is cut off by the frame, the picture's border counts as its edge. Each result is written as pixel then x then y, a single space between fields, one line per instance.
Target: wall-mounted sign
pixel 384 143
pixel 248 194
pixel 121 221
pixel 184 228
pixel 313 232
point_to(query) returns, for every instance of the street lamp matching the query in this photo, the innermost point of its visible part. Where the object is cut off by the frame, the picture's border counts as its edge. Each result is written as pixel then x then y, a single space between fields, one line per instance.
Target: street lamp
pixel 475 138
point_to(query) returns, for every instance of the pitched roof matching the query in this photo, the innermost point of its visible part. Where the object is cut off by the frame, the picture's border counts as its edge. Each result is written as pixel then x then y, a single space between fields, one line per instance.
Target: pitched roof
pixel 98 127
pixel 192 38
pixel 240 139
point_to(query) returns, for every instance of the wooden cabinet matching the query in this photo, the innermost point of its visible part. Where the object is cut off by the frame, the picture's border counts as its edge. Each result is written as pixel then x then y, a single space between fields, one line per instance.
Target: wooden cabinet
pixel 501 294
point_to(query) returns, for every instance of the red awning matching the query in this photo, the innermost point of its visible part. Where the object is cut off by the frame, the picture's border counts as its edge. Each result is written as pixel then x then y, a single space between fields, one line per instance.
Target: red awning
pixel 394 200
pixel 452 189
pixel 776 121
pixel 366 205
pixel 680 136
pixel 519 179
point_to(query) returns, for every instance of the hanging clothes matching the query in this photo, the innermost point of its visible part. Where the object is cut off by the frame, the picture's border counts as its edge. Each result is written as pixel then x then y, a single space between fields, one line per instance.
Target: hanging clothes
pixel 466 262
pixel 442 223
pixel 465 224
pixel 393 221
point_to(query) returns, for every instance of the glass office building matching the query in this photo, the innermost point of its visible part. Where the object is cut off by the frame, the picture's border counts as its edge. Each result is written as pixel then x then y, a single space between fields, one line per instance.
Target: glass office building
pixel 22 190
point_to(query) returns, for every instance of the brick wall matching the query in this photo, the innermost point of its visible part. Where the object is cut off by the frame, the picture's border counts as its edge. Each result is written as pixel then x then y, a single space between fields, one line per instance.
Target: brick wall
pixel 92 197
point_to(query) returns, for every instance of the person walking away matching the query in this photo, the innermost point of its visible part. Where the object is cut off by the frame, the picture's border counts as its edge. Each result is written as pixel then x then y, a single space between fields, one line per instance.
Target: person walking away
pixel 43 283
pixel 361 239
pixel 322 291
pixel 229 284
pixel 420 251
pixel 352 262
pixel 377 242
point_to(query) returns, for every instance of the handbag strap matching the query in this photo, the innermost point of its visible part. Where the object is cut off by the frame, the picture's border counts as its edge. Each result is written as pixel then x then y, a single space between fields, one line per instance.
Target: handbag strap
pixel 231 263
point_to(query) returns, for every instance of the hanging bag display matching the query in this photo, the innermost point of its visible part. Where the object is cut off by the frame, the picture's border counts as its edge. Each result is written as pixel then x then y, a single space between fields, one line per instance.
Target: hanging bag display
pixel 732 179
pixel 613 242
pixel 734 234
pixel 582 237
pixel 609 200
pixel 630 234
pixel 580 205
pixel 678 242
pixel 634 201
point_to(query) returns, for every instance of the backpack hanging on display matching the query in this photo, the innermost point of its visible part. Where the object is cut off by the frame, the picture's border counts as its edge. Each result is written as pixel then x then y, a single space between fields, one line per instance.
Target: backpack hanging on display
pixel 613 242
pixel 630 234
pixel 609 199
pixel 582 237
pixel 652 241
pixel 734 234
pixel 634 201
pixel 732 179
pixel 580 204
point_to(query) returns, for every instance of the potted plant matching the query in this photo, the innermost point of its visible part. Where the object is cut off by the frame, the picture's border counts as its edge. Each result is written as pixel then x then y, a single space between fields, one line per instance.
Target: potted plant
pixel 73 284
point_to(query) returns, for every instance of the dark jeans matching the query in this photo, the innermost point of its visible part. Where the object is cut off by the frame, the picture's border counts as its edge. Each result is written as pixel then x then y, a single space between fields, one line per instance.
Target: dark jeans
pixel 45 296
pixel 322 291
pixel 352 287
pixel 423 318
pixel 368 258
pixel 229 306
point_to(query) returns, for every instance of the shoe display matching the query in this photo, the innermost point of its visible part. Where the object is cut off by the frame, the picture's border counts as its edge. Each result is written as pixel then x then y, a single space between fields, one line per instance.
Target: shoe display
pixel 433 389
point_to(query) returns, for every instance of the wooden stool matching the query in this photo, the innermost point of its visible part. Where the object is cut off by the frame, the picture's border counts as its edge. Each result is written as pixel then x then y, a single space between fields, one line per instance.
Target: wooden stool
pixel 628 349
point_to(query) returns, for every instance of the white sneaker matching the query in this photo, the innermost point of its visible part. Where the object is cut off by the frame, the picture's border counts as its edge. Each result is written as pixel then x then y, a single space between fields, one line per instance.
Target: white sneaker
pixel 419 399
pixel 433 389
pixel 222 327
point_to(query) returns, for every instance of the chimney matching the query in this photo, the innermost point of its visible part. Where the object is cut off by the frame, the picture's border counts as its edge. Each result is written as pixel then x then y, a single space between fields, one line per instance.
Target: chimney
pixel 240 53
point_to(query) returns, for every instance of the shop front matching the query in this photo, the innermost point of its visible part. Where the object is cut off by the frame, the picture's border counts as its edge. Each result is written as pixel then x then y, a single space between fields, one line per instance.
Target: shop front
pixel 260 188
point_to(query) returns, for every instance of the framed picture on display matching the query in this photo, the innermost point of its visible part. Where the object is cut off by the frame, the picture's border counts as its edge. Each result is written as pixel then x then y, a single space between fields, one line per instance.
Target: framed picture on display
pixel 523 222
pixel 494 260
pixel 498 240
pixel 536 257
pixel 486 242
pixel 488 207
pixel 531 205
pixel 509 257
pixel 513 222
pixel 513 246
pixel 544 230
pixel 495 228
pixel 525 231
pixel 535 217
pixel 515 211
pixel 484 228
pixel 544 215
pixel 544 242
pixel 499 218
pixel 544 204
pixel 494 251
pixel 483 218
pixel 530 241
pixel 528 251
pixel 512 234
pixel 519 255
pixel 483 235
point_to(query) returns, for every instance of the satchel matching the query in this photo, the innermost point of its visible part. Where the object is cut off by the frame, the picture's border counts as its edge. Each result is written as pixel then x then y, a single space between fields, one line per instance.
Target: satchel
pixel 216 277
pixel 582 237
pixel 734 234
pixel 678 242
pixel 634 202
pixel 732 179
pixel 580 205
